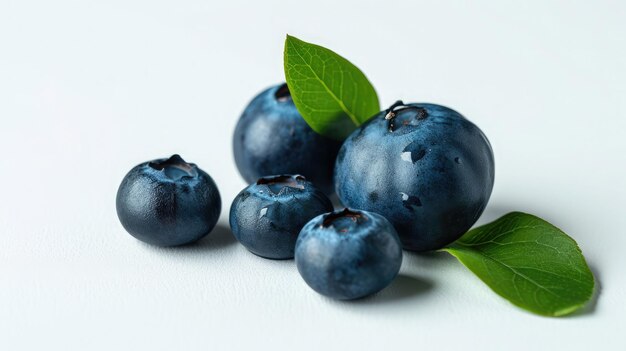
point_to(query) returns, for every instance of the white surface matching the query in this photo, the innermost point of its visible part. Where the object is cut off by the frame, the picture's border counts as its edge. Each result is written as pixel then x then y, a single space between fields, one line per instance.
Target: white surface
pixel 89 89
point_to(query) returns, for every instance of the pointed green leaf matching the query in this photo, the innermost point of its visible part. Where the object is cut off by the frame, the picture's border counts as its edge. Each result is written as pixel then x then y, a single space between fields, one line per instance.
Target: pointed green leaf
pixel 529 262
pixel 332 94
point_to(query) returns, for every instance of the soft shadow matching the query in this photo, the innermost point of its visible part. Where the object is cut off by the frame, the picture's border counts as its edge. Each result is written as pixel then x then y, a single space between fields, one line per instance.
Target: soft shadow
pixel 426 260
pixel 404 287
pixel 590 307
pixel 220 237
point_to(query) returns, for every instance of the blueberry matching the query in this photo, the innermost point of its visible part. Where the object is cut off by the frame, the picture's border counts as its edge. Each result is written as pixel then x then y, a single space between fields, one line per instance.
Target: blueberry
pixel 267 216
pixel 348 254
pixel 168 202
pixel 271 137
pixel 424 167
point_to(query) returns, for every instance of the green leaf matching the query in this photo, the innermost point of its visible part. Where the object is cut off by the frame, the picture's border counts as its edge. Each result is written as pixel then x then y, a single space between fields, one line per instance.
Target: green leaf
pixel 332 94
pixel 529 262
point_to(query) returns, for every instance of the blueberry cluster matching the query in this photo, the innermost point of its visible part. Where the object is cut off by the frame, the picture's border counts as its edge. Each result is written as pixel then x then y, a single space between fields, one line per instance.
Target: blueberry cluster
pixel 415 176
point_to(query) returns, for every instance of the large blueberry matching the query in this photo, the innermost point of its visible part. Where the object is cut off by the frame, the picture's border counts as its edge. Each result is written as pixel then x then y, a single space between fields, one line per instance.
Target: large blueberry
pixel 271 137
pixel 348 254
pixel 168 202
pixel 267 216
pixel 424 167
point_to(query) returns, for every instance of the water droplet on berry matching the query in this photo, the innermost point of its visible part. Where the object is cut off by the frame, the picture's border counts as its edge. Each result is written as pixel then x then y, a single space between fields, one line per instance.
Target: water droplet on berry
pixel 410 201
pixel 413 152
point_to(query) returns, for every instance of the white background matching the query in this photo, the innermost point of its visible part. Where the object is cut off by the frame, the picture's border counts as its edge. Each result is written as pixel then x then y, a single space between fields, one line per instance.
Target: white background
pixel 89 89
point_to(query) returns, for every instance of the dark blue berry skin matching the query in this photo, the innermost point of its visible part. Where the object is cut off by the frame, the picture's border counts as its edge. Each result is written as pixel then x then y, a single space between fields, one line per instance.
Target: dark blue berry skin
pixel 348 254
pixel 168 202
pixel 271 137
pixel 267 216
pixel 424 167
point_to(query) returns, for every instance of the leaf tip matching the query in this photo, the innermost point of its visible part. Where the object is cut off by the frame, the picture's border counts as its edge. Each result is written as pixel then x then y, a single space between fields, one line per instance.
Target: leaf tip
pixel 291 39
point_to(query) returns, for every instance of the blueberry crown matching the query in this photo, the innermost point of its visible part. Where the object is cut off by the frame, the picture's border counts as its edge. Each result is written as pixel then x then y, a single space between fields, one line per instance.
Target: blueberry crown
pixel 278 184
pixel 175 167
pixel 282 94
pixel 343 220
pixel 399 107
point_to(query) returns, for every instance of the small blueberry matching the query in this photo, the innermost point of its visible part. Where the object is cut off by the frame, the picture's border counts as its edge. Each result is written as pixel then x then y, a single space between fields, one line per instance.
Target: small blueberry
pixel 348 254
pixel 267 216
pixel 168 202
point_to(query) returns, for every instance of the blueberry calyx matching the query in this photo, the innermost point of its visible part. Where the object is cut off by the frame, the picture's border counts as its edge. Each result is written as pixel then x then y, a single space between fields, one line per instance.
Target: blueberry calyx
pixel 175 168
pixel 343 220
pixel 278 184
pixel 282 94
pixel 399 106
